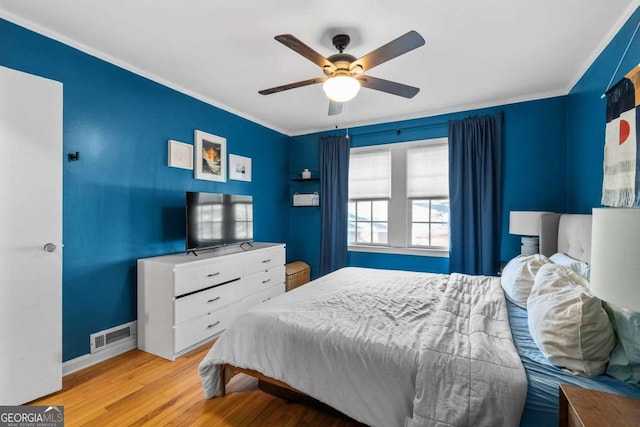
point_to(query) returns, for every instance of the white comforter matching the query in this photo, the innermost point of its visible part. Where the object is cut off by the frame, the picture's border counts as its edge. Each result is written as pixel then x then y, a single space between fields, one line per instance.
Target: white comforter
pixel 387 348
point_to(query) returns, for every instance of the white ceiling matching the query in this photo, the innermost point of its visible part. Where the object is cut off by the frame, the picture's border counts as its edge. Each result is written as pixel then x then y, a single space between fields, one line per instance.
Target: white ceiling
pixel 477 53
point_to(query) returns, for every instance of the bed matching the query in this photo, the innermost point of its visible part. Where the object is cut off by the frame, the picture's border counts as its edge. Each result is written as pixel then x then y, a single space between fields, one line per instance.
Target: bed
pixel 397 348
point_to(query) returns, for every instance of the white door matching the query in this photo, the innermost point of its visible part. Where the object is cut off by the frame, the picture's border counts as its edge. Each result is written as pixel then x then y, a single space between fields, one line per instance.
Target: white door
pixel 30 219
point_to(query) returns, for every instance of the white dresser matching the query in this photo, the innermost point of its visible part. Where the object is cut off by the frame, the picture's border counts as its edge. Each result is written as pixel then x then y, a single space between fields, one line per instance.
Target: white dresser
pixel 186 300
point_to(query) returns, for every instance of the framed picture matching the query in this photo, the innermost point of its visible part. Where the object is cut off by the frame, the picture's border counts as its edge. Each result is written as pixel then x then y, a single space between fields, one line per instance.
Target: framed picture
pixel 210 157
pixel 239 168
pixel 180 155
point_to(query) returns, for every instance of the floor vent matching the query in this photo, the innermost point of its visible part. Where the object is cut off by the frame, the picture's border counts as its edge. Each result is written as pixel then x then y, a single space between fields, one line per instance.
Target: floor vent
pixel 110 337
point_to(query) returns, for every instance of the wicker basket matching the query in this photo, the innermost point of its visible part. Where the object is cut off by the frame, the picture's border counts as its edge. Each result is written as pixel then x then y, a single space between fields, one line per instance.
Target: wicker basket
pixel 298 273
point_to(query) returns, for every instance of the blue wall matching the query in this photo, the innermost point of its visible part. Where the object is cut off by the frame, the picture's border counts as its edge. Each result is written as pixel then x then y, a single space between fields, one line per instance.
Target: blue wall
pixel 586 118
pixel 120 200
pixel 534 175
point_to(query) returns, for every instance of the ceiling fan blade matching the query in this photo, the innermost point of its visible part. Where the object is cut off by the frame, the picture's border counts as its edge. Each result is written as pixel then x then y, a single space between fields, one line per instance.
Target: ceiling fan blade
pixel 388 86
pixel 293 43
pixel 335 108
pixel 394 48
pixel 292 85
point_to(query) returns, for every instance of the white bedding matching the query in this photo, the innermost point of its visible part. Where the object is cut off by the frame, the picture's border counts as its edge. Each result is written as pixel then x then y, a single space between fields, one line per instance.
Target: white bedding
pixel 375 345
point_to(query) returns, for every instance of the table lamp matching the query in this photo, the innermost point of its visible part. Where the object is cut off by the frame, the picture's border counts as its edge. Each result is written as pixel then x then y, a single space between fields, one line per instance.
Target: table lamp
pixel 527 225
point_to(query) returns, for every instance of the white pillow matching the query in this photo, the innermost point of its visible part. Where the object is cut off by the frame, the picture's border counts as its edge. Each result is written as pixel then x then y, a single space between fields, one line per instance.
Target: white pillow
pixel 517 277
pixel 580 267
pixel 569 324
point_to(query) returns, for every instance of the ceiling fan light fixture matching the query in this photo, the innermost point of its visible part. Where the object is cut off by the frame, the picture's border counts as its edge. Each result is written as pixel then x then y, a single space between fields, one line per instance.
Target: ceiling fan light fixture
pixel 341 88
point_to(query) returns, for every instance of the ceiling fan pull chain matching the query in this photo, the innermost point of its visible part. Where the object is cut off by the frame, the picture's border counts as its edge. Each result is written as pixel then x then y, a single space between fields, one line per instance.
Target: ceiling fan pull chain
pixel 347 124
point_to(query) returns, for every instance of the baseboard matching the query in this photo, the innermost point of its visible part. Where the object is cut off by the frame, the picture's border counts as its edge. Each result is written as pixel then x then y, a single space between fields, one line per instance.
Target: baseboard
pixel 74 365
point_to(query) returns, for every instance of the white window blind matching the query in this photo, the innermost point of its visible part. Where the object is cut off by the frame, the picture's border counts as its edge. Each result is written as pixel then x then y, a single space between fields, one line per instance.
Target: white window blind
pixel 370 175
pixel 428 171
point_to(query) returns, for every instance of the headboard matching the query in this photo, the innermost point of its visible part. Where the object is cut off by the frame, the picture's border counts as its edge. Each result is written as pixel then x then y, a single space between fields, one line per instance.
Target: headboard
pixel 567 233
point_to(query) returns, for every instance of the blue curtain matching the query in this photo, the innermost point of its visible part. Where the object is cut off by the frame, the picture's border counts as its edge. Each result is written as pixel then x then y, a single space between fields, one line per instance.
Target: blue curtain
pixel 475 193
pixel 334 197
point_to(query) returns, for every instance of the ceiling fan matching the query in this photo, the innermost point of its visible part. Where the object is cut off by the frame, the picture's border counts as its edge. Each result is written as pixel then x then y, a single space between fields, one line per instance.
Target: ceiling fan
pixel 344 73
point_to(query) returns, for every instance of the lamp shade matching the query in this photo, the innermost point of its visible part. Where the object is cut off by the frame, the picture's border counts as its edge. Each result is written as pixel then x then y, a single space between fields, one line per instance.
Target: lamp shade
pixel 341 88
pixel 525 223
pixel 615 256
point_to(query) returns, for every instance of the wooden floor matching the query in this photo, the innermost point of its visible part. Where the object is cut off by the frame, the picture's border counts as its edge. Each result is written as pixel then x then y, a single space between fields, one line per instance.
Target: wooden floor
pixel 137 388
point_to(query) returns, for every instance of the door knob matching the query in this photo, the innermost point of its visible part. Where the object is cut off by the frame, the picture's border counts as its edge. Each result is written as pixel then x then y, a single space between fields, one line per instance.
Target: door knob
pixel 50 247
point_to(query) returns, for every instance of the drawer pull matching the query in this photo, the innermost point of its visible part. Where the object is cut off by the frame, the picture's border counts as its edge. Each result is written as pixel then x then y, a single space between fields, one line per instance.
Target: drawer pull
pixel 213 299
pixel 213 274
pixel 213 324
pixel 265 300
pixel 266 281
pixel 264 261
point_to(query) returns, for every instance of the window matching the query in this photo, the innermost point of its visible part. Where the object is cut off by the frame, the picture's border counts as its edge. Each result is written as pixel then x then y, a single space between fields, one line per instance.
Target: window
pixel 428 192
pixel 368 222
pixel 399 198
pixel 369 193
pixel 430 223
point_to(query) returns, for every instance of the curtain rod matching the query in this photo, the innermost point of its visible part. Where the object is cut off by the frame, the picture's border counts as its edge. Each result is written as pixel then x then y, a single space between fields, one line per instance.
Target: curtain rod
pixel 398 131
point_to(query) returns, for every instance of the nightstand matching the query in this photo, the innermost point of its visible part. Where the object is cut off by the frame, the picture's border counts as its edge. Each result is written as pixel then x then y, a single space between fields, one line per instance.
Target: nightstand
pixel 580 407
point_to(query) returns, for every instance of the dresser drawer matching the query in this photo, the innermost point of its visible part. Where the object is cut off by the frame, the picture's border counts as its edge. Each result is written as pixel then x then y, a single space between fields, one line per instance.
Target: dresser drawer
pixel 193 278
pixel 273 277
pixel 203 302
pixel 263 260
pixel 264 296
pixel 198 329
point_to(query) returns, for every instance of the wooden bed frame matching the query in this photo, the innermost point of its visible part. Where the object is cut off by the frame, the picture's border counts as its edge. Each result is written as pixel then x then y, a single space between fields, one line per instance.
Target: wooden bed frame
pixel 228 371
pixel 277 388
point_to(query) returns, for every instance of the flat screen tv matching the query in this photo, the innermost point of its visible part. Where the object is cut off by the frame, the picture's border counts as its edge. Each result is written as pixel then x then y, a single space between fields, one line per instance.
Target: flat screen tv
pixel 215 219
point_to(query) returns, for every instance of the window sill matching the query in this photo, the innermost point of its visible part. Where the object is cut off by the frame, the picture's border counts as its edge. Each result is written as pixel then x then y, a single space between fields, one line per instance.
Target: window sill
pixel 442 253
